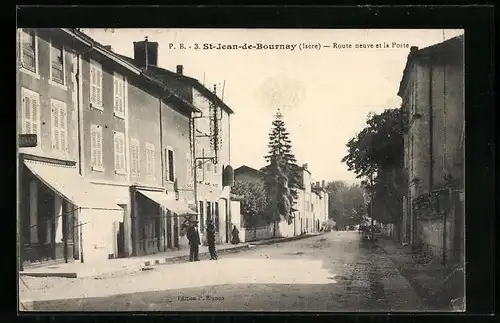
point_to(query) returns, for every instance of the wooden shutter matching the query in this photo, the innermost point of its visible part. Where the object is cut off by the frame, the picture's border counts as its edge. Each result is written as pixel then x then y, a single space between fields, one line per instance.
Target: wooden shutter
pixel 27 114
pixel 122 153
pixel 93 91
pixel 93 145
pixel 99 147
pixel 63 131
pixel 115 92
pixel 56 139
pixel 116 151
pixel 99 87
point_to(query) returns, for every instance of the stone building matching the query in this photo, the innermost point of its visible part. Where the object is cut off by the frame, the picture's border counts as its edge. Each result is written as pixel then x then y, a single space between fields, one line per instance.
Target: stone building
pixel 432 91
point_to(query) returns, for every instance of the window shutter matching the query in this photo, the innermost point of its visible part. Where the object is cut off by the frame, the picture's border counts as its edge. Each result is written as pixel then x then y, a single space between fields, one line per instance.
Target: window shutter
pixel 125 95
pixel 148 161
pixel 35 108
pixel 117 152
pixel 55 126
pixel 63 129
pixel 122 153
pixel 93 144
pixel 99 147
pixel 138 159
pixel 99 87
pixel 115 91
pixel 27 115
pixel 93 93
pixel 152 161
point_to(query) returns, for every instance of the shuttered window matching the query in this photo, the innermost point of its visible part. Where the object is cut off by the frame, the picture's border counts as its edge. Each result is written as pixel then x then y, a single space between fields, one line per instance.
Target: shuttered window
pixel 59 126
pixel 96 147
pixel 29 51
pixel 30 113
pixel 57 64
pixel 119 95
pixel 150 159
pixel 135 166
pixel 170 164
pixel 95 85
pixel 119 149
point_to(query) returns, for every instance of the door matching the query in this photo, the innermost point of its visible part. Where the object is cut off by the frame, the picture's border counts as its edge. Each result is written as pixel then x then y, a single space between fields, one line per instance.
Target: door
pixel 120 240
pixel 169 229
pixel 176 231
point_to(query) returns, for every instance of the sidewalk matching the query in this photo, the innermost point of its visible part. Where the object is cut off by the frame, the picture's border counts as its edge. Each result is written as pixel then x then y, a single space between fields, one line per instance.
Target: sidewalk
pixel 123 266
pixel 436 284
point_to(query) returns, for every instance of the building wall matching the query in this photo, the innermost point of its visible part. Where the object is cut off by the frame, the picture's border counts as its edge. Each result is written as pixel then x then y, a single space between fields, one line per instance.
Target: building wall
pixel 144 126
pixel 41 84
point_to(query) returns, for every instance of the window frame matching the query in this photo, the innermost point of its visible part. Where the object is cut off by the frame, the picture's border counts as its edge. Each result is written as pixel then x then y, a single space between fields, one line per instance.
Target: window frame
pixel 59 105
pixel 123 80
pixel 99 167
pixel 22 68
pixel 120 169
pixel 97 67
pixel 53 82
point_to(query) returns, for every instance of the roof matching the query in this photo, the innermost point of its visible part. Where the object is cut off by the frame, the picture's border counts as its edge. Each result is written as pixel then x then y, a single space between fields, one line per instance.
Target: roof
pixel 246 168
pixel 128 63
pixel 297 167
pixel 430 51
pixel 196 84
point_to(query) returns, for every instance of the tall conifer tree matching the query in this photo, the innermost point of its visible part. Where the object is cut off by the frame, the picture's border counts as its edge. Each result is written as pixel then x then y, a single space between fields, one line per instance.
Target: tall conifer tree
pixel 282 176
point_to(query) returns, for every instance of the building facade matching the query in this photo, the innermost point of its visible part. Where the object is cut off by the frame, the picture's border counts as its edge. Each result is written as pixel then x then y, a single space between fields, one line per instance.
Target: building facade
pixel 432 90
pixel 97 183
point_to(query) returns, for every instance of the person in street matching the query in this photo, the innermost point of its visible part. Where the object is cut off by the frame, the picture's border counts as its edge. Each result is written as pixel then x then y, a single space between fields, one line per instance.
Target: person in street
pixel 235 235
pixel 211 240
pixel 193 237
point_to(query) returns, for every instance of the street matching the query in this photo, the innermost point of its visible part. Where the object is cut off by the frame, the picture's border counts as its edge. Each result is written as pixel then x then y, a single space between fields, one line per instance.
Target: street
pixel 335 271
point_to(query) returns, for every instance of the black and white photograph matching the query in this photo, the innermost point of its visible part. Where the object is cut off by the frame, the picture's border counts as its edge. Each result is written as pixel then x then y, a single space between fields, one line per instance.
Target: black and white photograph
pixel 242 170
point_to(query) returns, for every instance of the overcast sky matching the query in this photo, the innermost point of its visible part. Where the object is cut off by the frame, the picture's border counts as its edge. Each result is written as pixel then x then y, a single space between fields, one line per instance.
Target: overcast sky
pixel 325 95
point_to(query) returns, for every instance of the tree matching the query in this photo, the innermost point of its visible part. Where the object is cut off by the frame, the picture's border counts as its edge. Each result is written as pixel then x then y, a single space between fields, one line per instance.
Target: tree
pixel 255 202
pixel 282 179
pixel 346 203
pixel 376 155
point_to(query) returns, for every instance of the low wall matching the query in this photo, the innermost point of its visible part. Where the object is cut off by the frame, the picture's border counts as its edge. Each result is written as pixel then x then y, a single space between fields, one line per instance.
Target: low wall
pixel 283 229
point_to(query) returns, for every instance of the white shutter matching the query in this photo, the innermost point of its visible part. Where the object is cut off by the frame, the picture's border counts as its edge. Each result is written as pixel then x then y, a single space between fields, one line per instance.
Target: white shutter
pixel 63 130
pixel 152 160
pixel 116 151
pixel 122 153
pixel 26 127
pixel 93 145
pixel 93 89
pixel 138 159
pixel 99 87
pixel 99 147
pixel 115 92
pixel 35 113
pixel 125 95
pixel 56 144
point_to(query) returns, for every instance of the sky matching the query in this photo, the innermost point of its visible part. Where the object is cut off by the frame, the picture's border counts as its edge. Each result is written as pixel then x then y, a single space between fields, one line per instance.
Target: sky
pixel 324 94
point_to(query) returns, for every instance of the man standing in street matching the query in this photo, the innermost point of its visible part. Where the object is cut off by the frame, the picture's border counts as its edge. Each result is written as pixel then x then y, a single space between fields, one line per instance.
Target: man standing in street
pixel 193 237
pixel 211 240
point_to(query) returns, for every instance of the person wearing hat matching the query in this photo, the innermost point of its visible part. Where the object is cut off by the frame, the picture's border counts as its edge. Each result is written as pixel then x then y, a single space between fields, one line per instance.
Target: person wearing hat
pixel 211 240
pixel 193 237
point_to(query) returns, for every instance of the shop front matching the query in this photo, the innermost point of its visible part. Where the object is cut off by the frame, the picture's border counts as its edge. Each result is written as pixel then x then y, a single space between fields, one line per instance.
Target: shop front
pixel 59 215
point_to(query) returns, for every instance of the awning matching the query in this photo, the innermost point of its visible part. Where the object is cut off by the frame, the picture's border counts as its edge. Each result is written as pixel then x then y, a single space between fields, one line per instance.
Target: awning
pixel 66 181
pixel 177 207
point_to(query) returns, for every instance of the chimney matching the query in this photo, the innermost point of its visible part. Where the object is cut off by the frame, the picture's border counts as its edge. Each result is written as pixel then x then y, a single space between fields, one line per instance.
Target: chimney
pixel 304 166
pixel 146 53
pixel 323 184
pixel 413 49
pixel 180 69
pixel 317 184
pixel 108 47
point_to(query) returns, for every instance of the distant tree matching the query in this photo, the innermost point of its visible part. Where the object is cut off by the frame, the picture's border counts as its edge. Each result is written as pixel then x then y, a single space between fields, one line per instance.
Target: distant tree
pixel 346 203
pixel 282 180
pixel 255 202
pixel 376 155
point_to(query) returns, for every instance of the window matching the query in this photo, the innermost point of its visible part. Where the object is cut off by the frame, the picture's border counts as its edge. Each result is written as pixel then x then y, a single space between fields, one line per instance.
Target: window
pixel 150 159
pixel 30 113
pixel 57 64
pixel 95 85
pixel 29 50
pixel 119 95
pixel 59 126
pixel 209 211
pixel 119 144
pixel 135 166
pixel 169 154
pixel 96 148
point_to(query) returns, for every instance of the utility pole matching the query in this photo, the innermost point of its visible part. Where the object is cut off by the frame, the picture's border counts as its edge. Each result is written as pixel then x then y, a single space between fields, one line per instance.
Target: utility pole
pixel 371 207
